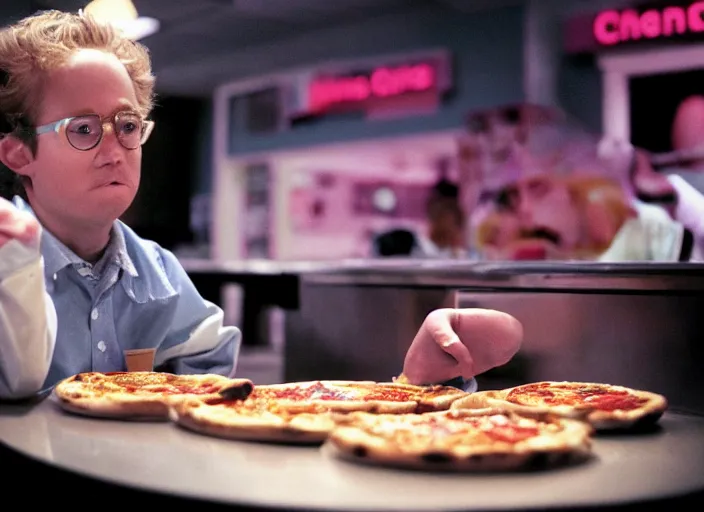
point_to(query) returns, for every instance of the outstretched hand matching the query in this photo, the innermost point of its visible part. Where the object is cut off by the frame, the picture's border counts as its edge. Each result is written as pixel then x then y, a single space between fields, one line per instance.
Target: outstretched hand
pixel 17 225
pixel 461 342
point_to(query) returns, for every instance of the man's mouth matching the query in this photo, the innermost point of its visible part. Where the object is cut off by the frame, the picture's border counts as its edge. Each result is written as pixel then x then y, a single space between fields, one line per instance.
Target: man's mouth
pixel 112 183
pixel 530 253
pixel 541 234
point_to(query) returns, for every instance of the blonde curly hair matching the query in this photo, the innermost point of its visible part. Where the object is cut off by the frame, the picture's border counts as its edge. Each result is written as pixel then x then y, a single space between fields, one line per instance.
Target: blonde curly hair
pixel 43 42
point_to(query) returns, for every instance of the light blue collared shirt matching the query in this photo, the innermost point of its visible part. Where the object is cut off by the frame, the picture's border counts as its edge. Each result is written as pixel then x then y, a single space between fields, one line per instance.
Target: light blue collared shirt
pixel 136 296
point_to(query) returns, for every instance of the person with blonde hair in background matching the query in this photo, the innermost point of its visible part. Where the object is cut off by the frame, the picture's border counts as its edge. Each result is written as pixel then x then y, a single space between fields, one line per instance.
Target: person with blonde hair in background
pixel 556 191
pixel 549 217
pixel 577 217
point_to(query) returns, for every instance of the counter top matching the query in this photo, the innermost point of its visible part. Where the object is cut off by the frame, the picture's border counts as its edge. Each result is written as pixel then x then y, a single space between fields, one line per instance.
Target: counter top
pixel 467 273
pixel 164 458
pixel 527 276
pixel 256 266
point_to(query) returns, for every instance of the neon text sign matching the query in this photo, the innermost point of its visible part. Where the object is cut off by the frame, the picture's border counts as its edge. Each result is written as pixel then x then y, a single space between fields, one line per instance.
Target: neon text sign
pixel 612 27
pixel 381 83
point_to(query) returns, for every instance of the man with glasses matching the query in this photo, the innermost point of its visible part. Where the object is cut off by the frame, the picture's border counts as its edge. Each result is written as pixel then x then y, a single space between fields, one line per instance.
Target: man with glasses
pixel 75 98
pixel 78 288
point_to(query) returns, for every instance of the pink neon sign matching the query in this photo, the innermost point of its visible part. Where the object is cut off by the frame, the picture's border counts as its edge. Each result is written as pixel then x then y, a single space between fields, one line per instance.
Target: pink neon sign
pixel 383 82
pixel 612 27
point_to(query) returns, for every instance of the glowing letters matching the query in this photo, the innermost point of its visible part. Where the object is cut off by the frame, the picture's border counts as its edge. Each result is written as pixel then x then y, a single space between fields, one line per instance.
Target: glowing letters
pixel 383 82
pixel 612 27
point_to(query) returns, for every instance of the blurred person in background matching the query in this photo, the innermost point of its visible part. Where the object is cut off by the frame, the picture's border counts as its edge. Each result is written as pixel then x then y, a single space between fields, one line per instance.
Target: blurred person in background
pixel 687 134
pixel 557 218
pixel 445 234
pixel 446 222
pixel 554 196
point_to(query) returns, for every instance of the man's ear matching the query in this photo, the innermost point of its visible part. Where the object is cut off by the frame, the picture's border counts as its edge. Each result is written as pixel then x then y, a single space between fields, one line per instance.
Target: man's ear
pixel 15 154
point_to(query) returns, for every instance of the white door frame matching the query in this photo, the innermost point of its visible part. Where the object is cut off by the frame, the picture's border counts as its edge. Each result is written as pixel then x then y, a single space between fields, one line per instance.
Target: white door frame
pixel 618 68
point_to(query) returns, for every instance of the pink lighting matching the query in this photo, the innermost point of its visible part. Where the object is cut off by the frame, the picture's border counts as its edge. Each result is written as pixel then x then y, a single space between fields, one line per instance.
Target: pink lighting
pixel 612 27
pixel 383 82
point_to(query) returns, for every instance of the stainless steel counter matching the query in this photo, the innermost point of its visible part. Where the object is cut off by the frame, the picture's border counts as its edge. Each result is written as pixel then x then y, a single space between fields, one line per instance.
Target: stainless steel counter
pixel 513 275
pixel 165 459
pixel 463 273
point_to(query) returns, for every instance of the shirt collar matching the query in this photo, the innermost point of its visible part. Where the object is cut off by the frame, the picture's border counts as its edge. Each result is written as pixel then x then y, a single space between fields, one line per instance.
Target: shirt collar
pixel 57 255
pixel 116 253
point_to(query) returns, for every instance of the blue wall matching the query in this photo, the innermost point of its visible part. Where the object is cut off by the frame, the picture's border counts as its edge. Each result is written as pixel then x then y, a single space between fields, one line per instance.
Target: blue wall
pixel 487 66
pixel 202 181
pixel 579 90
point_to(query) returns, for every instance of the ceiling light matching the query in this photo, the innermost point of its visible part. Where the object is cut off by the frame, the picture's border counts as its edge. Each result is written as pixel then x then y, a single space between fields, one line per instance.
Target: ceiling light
pixel 139 28
pixel 123 15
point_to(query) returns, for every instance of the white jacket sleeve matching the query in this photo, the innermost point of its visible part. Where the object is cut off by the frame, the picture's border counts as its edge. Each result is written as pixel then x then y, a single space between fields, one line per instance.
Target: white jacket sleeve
pixel 27 322
pixel 651 236
pixel 690 206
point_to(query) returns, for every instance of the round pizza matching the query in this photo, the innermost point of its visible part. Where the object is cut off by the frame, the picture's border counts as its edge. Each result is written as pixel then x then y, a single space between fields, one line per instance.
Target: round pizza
pixel 301 412
pixel 345 396
pixel 604 406
pixel 141 395
pixel 461 440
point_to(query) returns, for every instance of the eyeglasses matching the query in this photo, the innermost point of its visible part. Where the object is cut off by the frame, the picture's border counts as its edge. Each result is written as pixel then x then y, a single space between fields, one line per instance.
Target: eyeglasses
pixel 85 132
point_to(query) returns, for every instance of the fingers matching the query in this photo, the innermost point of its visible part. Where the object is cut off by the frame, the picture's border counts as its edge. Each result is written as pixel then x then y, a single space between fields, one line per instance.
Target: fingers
pixel 492 337
pixel 31 230
pixel 24 229
pixel 17 225
pixel 471 341
pixel 440 327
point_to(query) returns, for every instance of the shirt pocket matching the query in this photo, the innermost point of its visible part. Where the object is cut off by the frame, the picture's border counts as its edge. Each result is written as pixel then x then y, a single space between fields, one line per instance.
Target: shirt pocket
pixel 144 315
pixel 144 290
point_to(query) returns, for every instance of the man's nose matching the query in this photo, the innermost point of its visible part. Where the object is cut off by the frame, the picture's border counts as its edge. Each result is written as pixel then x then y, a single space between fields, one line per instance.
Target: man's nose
pixel 524 210
pixel 109 150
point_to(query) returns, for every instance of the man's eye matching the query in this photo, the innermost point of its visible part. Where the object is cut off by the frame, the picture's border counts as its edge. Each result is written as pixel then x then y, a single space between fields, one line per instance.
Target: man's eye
pixel 129 127
pixel 83 129
pixel 507 199
pixel 539 188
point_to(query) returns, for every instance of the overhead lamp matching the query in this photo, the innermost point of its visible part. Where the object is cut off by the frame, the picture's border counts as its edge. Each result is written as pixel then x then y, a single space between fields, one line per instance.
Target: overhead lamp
pixel 123 15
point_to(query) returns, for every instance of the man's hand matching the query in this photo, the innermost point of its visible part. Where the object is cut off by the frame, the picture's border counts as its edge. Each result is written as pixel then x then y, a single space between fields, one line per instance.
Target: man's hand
pixel 17 225
pixel 631 166
pixel 650 185
pixel 461 342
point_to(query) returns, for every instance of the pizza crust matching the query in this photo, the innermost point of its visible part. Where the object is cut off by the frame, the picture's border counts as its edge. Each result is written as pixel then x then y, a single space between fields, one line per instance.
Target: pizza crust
pixel 98 395
pixel 105 407
pixel 360 437
pixel 266 426
pixel 645 415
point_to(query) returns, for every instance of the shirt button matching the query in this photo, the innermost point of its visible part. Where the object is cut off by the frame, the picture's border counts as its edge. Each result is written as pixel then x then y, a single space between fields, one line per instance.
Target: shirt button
pixel 101 346
pixel 94 314
pixel 55 277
